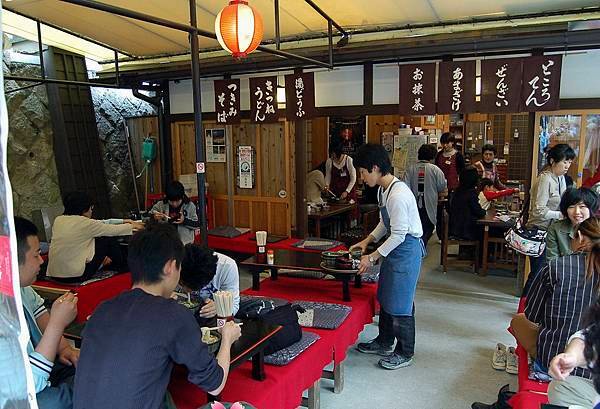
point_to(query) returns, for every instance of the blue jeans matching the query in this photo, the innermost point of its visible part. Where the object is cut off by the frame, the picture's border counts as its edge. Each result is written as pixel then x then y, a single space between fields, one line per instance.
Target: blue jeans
pixel 60 394
pixel 56 397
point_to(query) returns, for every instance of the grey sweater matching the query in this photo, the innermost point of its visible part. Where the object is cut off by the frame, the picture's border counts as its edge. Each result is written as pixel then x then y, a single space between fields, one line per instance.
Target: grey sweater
pixel 545 199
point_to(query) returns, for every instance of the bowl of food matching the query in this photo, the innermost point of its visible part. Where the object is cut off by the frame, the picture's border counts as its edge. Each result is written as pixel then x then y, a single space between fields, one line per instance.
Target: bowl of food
pixel 212 338
pixel 329 257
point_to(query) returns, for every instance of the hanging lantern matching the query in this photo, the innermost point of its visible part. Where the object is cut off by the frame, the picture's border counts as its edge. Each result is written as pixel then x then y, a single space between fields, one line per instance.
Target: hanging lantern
pixel 239 28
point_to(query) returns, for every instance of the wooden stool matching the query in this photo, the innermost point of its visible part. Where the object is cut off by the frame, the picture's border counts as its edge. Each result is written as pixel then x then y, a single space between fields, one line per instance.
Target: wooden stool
pixel 446 241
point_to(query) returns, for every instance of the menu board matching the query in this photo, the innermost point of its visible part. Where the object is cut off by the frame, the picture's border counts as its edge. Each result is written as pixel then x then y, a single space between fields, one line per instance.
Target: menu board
pixel 417 89
pixel 300 96
pixel 541 83
pixel 456 87
pixel 263 100
pixel 501 85
pixel 227 101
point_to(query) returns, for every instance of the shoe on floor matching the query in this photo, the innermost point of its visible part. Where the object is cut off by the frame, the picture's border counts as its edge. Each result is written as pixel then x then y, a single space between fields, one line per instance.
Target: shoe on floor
pixel 374 347
pixel 512 361
pixel 395 361
pixel 499 357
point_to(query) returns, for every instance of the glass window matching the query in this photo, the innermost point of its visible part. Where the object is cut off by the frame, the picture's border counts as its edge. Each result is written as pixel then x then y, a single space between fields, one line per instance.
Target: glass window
pixel 555 129
pixel 591 155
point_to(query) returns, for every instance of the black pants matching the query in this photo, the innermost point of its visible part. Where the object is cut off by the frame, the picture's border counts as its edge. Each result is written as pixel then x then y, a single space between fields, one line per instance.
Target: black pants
pixel 104 247
pixel 400 327
pixel 427 226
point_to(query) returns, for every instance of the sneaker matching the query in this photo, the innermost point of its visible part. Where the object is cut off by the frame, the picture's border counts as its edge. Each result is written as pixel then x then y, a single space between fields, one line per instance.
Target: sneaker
pixel 512 361
pixel 395 361
pixel 499 357
pixel 374 347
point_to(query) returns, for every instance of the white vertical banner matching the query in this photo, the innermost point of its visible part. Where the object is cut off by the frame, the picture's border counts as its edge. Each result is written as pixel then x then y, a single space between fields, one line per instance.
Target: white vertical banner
pixel 16 386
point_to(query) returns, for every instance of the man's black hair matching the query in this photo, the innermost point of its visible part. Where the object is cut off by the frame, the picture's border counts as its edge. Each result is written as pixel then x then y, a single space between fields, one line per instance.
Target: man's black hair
pixel 198 267
pixel 373 154
pixel 176 191
pixel 469 178
pixel 489 147
pixel 559 152
pixel 583 195
pixel 150 249
pixel 336 148
pixel 427 152
pixel 485 182
pixel 24 229
pixel 447 137
pixel 77 203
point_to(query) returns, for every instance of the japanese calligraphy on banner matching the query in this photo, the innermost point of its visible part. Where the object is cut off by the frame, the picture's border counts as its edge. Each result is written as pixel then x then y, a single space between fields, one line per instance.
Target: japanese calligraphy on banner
pixel 417 89
pixel 263 100
pixel 541 83
pixel 227 101
pixel 300 96
pixel 456 87
pixel 501 85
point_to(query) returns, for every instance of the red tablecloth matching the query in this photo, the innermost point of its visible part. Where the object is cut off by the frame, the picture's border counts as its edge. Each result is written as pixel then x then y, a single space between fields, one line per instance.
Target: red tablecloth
pixel 244 244
pixel 284 385
pixel 282 389
pixel 363 306
pixel 90 295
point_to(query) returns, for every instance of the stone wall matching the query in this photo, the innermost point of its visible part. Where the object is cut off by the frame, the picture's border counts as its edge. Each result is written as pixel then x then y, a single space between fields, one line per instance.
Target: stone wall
pixel 30 153
pixel 112 108
pixel 31 161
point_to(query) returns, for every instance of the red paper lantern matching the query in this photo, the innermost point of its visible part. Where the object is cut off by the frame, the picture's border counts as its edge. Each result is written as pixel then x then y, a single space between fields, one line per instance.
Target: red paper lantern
pixel 239 28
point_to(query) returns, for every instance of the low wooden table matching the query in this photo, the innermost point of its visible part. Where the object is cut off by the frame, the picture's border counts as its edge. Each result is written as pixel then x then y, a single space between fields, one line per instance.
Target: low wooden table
pixel 294 260
pixel 488 221
pixel 333 210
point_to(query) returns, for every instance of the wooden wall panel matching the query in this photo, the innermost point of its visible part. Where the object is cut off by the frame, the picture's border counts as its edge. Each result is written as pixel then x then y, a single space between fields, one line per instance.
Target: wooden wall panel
pixel 274 171
pixel 272 159
pixel 319 141
pixel 241 211
pixel 260 216
pixel 139 129
pixel 279 219
pixel 219 209
pixel 377 124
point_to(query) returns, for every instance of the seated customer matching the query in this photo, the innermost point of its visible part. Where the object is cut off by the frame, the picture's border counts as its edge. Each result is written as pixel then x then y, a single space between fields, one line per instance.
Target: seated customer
pixel 576 205
pixel 204 272
pixel 132 341
pixel 487 167
pixel 52 379
pixel 315 183
pixel 178 209
pixel 489 193
pixel 566 388
pixel 464 207
pixel 558 296
pixel 81 245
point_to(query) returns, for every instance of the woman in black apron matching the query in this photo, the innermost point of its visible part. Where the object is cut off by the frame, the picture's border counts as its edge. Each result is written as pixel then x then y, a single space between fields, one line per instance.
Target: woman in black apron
pixel 400 255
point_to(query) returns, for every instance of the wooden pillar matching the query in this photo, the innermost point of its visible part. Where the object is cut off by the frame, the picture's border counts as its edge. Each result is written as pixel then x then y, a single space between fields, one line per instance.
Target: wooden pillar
pixel 300 148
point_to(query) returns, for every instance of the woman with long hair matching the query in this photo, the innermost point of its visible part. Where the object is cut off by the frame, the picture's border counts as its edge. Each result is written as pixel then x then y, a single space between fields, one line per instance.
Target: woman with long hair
pixel 559 295
pixel 545 195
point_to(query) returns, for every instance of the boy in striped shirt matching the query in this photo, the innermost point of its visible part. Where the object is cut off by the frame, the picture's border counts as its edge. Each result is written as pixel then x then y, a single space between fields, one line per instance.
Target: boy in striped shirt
pixel 53 380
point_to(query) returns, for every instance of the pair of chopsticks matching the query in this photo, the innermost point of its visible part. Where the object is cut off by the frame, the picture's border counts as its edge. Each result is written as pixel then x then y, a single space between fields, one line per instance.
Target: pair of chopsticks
pixel 223 303
pixel 261 238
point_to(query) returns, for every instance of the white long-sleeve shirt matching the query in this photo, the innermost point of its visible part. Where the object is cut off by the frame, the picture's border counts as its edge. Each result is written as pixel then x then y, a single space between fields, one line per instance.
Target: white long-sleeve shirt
pixel 348 164
pixel 404 216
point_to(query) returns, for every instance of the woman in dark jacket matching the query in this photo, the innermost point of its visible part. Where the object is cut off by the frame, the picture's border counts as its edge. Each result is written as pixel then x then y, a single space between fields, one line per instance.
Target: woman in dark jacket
pixel 464 207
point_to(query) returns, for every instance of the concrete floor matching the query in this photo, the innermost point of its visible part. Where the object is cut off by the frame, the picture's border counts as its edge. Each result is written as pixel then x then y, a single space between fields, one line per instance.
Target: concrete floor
pixel 460 318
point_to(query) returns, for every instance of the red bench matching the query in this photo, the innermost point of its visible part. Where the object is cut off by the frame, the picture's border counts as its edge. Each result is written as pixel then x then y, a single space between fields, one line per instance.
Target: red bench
pixel 89 295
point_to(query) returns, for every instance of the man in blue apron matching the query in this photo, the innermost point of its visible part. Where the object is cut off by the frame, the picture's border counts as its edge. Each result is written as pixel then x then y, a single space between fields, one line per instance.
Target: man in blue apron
pixel 400 255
